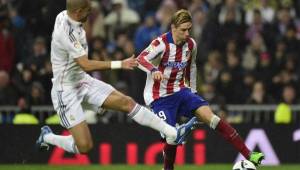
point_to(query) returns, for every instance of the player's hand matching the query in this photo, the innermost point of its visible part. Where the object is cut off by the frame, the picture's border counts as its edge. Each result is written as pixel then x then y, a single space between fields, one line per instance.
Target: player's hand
pixel 157 76
pixel 129 63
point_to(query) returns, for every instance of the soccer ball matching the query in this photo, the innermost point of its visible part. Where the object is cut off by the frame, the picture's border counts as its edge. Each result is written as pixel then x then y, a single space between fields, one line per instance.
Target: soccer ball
pixel 244 165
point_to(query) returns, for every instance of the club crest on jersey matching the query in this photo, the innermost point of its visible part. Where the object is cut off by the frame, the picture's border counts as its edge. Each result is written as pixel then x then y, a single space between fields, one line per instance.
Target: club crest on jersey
pixel 72 118
pixel 150 48
pixel 77 44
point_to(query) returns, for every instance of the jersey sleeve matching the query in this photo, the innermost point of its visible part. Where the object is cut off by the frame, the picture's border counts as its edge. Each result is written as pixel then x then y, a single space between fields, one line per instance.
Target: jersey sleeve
pixel 191 72
pixel 155 48
pixel 72 45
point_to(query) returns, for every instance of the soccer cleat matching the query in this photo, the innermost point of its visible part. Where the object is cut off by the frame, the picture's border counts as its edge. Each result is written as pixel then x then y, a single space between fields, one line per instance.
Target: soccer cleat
pixel 256 158
pixel 184 130
pixel 40 144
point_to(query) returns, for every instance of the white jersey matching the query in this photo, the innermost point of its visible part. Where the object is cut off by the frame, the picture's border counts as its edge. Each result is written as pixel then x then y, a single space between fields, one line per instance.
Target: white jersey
pixel 73 90
pixel 68 42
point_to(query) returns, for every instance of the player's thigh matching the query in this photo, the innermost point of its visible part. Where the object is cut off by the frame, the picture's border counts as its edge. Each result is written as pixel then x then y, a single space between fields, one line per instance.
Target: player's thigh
pixel 104 95
pixel 118 101
pixel 165 111
pixel 195 104
pixel 82 135
pixel 67 104
pixel 98 92
pixel 204 113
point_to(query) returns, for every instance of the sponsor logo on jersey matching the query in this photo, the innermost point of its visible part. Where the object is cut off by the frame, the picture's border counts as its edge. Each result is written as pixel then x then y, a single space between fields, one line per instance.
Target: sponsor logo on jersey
pixel 174 64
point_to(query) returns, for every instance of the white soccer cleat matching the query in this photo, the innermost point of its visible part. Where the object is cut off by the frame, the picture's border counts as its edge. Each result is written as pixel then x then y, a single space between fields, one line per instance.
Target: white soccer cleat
pixel 184 130
pixel 40 143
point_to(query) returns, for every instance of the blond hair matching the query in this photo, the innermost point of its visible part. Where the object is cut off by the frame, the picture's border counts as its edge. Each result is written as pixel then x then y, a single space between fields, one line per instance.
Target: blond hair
pixel 180 17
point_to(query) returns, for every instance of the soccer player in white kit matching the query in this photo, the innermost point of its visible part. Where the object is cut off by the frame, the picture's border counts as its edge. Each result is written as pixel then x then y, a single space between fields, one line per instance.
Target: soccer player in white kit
pixel 73 89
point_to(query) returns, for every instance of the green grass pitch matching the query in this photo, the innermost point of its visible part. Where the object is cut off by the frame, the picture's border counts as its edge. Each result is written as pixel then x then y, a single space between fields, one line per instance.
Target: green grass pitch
pixel 139 167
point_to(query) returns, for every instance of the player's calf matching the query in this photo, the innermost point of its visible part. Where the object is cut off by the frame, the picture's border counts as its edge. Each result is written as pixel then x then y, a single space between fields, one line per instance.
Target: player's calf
pixel 84 146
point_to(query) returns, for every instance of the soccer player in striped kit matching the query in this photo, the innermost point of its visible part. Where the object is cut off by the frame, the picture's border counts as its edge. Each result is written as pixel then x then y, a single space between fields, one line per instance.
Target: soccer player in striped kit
pixel 171 86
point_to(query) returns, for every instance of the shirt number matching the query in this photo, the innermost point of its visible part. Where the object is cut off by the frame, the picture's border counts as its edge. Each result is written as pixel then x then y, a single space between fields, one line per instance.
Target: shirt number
pixel 162 115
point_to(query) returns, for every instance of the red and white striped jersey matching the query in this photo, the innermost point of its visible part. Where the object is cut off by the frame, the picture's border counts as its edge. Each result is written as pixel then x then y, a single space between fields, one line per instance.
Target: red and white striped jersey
pixel 176 62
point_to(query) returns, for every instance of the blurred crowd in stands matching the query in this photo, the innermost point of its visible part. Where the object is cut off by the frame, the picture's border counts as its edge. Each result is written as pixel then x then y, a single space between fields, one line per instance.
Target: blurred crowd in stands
pixel 248 51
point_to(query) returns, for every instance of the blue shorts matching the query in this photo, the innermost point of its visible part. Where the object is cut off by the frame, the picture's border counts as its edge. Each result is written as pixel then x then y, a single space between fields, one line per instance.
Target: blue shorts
pixel 181 103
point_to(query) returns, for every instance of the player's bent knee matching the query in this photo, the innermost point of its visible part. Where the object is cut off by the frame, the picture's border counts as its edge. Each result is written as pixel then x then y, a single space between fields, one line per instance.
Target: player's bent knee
pixel 205 114
pixel 128 104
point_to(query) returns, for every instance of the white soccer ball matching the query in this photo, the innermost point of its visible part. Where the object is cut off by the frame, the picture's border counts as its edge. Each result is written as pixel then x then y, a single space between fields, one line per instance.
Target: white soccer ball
pixel 244 165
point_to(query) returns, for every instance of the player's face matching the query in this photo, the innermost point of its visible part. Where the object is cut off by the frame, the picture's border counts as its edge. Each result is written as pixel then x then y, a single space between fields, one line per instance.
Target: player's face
pixel 182 32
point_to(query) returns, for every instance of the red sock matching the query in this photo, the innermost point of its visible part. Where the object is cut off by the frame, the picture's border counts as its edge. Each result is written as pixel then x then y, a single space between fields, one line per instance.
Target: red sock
pixel 231 135
pixel 169 156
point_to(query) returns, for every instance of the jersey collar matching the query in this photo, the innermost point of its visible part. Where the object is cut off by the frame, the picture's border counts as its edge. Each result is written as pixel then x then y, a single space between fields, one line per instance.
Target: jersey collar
pixel 170 38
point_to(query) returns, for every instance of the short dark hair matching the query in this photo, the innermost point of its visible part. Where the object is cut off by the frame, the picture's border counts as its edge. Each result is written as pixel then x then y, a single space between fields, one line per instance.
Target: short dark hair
pixel 73 5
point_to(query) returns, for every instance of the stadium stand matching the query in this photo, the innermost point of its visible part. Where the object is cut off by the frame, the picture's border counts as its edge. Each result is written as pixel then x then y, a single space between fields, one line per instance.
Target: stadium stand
pixel 248 52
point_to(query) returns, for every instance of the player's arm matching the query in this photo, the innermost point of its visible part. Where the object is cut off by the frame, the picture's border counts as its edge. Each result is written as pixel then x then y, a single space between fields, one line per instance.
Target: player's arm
pixel 191 72
pixel 78 53
pixel 90 65
pixel 151 52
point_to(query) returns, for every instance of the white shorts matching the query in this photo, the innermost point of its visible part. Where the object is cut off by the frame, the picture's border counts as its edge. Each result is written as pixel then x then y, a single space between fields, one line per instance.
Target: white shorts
pixel 70 103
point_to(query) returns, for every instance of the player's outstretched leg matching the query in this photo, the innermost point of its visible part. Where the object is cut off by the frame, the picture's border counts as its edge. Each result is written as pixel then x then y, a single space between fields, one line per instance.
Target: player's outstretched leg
pixel 140 114
pixel 256 158
pixel 143 116
pixel 228 133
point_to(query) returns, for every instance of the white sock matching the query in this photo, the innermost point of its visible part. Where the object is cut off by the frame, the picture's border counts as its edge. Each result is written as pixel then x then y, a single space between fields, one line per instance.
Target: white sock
pixel 145 117
pixel 65 142
pixel 214 122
